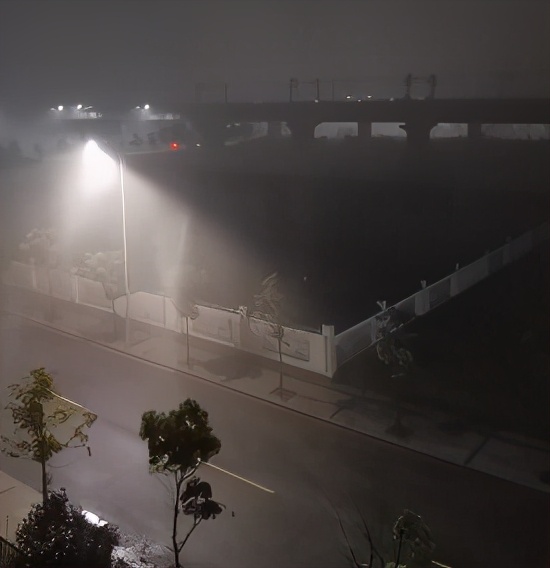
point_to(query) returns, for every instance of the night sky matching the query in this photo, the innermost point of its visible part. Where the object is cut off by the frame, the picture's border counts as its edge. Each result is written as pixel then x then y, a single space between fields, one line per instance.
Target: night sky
pixel 54 52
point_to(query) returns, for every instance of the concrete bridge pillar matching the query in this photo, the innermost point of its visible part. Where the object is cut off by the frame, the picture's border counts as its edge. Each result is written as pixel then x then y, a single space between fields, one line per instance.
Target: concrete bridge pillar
pixel 418 133
pixel 474 131
pixel 302 131
pixel 364 132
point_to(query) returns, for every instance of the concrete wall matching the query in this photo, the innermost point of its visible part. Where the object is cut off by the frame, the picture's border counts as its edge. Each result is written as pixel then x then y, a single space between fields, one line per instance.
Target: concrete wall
pixel 303 349
pixel 306 350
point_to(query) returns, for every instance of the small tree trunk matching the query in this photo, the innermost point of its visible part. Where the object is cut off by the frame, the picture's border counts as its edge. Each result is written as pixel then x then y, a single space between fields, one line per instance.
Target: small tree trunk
pixel 187 335
pixel 398 559
pixel 280 366
pixel 114 319
pixel 38 429
pixel 44 476
pixel 179 480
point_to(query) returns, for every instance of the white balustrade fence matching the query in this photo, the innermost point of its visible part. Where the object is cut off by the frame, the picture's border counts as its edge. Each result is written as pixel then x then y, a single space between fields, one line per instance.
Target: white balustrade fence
pixel 320 353
pixel 361 336
pixel 303 349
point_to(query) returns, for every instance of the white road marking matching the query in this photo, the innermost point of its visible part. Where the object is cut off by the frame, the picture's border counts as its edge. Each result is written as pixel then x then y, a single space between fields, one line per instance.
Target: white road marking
pixel 238 477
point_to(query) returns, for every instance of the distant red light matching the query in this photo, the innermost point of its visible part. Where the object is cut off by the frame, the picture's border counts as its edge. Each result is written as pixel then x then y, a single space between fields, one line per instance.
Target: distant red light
pixel 174 146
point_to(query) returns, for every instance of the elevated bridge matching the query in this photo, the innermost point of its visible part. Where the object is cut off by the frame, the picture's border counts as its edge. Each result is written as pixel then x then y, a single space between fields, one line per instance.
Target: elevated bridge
pixel 418 117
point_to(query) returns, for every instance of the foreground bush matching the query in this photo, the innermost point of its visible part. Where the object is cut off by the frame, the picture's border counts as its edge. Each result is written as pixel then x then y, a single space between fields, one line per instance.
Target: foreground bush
pixel 57 535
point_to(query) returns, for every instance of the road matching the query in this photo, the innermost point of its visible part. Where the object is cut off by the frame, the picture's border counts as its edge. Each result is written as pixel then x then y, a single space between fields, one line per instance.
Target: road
pixel 314 468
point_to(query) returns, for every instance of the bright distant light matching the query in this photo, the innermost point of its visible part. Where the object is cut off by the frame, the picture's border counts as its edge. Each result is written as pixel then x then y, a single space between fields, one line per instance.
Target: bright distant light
pixel 60 107
pixel 78 107
pixel 316 100
pixel 100 170
pixel 348 97
pixel 369 96
pixel 138 107
pixel 146 107
pixel 174 146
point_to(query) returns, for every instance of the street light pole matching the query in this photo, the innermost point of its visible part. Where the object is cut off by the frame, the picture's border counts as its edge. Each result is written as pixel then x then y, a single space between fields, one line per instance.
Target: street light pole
pixel 95 150
pixel 124 243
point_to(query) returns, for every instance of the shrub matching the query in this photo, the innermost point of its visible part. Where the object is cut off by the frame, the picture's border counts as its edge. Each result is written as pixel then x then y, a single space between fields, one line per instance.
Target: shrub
pixel 56 534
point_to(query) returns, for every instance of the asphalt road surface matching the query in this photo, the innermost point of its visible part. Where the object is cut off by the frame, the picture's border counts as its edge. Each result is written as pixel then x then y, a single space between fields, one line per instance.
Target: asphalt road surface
pixel 314 468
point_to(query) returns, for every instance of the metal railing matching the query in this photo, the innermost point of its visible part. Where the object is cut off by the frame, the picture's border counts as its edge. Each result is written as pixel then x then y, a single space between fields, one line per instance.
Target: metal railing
pixel 10 555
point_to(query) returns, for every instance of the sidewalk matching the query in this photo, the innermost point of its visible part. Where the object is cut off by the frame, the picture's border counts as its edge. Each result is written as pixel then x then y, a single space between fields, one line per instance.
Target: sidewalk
pixel 501 454
pixel 16 500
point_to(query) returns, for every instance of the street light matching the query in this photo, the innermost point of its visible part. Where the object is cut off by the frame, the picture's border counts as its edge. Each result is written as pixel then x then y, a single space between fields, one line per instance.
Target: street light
pixel 99 159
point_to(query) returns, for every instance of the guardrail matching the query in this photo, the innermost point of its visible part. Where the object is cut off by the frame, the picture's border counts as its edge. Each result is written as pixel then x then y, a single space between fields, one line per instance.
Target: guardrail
pixel 9 554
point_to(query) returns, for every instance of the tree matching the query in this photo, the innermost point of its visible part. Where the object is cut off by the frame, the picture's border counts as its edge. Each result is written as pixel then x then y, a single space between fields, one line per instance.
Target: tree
pixel 40 416
pixel 410 530
pixel 107 268
pixel 415 546
pixel 394 354
pixel 39 248
pixel 178 442
pixel 267 309
pixel 184 295
pixel 389 346
pixel 56 534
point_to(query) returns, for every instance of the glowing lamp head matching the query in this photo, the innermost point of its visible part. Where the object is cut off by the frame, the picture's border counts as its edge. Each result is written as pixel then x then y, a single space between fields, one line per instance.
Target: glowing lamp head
pixel 60 107
pixel 146 107
pixel 99 168
pixel 174 146
pixel 78 107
